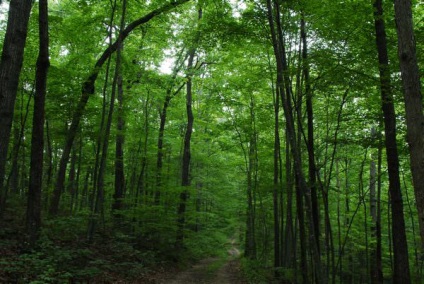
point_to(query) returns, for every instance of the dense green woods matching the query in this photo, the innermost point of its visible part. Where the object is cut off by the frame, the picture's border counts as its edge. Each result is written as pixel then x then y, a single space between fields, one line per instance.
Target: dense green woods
pixel 137 136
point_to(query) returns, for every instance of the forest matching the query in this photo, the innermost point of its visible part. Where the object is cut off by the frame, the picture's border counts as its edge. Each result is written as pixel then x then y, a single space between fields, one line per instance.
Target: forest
pixel 284 137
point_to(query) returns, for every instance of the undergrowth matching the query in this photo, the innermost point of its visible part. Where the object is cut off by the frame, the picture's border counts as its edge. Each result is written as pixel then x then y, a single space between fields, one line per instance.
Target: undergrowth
pixel 63 254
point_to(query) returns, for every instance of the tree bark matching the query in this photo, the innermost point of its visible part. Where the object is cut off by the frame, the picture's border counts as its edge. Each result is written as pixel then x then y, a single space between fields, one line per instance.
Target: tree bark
pixel 250 246
pixel 87 90
pixel 163 114
pixel 276 185
pixel 33 221
pixel 284 90
pixel 312 168
pixel 119 152
pixel 10 69
pixel 400 246
pixel 185 173
pixel 410 74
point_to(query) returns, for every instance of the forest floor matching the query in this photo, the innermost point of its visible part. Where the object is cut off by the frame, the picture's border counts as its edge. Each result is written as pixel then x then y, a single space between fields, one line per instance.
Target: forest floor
pixel 208 271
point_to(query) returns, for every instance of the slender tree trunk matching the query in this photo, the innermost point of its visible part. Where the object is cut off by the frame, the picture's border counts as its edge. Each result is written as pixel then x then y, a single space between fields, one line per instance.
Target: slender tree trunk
pixel 119 153
pixel 37 142
pixel 376 272
pixel 400 245
pixel 98 204
pixel 100 136
pixel 163 114
pixel 378 252
pixel 284 90
pixel 250 247
pixel 413 102
pixel 87 91
pixel 277 186
pixel 10 69
pixel 185 174
pixel 71 179
pixel 339 223
pixel 289 245
pixel 312 169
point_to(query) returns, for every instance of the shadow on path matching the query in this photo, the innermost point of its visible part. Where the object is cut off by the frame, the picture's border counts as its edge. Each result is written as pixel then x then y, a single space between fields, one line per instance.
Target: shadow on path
pixel 211 270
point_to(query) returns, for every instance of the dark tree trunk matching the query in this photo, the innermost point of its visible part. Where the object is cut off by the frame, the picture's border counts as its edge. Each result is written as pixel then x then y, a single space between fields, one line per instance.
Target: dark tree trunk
pixel 400 246
pixel 284 90
pixel 37 143
pixel 185 174
pixel 312 169
pixel 162 115
pixel 119 153
pixel 250 246
pixel 71 179
pixel 98 204
pixel 378 251
pixel 10 69
pixel 413 102
pixel 87 90
pixel 289 248
pixel 100 136
pixel 277 185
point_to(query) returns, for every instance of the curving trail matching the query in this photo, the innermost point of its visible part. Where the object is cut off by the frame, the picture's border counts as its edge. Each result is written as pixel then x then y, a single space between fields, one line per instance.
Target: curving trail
pixel 201 273
pixel 211 271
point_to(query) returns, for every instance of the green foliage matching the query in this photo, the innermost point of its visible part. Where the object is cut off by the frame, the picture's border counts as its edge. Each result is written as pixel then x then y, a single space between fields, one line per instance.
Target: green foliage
pixel 255 272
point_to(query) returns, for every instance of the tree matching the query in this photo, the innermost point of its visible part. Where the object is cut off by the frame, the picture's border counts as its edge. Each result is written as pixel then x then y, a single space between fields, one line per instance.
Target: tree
pixel 285 92
pixel 87 90
pixel 400 246
pixel 185 171
pixel 10 69
pixel 410 74
pixel 37 142
pixel 119 153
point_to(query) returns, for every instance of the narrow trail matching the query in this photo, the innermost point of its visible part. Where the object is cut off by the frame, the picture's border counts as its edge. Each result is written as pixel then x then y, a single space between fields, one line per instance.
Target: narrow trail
pixel 210 271
pixel 206 272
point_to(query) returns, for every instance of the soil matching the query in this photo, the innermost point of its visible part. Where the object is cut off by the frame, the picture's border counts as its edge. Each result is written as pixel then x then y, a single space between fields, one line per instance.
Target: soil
pixel 206 272
pixel 211 270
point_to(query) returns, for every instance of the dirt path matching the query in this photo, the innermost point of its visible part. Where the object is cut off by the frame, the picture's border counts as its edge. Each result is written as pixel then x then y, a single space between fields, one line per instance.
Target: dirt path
pixel 208 271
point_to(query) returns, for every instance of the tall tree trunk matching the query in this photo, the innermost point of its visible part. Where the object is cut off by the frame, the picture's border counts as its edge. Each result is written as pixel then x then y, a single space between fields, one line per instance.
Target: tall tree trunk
pixel 100 136
pixel 312 168
pixel 119 152
pixel 185 173
pixel 142 177
pixel 284 90
pixel 87 90
pixel 98 204
pixel 289 235
pixel 10 69
pixel 71 179
pixel 277 185
pixel 378 252
pixel 163 113
pixel 400 246
pixel 250 247
pixel 33 220
pixel 413 102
